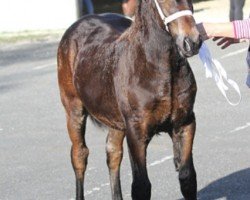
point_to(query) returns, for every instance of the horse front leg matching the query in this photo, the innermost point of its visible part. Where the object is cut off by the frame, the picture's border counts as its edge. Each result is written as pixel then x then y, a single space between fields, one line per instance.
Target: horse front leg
pixel 114 150
pixel 138 140
pixel 182 144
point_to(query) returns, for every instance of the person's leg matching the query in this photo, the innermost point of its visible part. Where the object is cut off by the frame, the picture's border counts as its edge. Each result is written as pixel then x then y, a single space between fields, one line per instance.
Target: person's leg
pixel 248 63
pixel 89 6
pixel 238 13
pixel 231 12
pixel 79 8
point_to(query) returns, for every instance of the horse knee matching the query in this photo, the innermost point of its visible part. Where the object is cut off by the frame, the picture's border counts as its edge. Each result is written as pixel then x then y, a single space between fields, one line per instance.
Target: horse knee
pixel 187 178
pixel 114 158
pixel 184 173
pixel 177 161
pixel 114 149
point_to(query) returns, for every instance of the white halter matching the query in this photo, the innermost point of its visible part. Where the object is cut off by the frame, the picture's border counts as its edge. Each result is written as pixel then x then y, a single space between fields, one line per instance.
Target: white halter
pixel 172 17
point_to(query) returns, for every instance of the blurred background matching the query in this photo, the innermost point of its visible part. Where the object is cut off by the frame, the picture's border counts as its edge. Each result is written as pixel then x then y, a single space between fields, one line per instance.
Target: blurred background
pixel 41 15
pixel 29 18
pixel 34 19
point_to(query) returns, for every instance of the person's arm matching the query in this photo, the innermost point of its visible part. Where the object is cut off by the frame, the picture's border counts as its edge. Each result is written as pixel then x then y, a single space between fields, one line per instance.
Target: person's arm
pixel 219 29
pixel 228 33
pixel 239 29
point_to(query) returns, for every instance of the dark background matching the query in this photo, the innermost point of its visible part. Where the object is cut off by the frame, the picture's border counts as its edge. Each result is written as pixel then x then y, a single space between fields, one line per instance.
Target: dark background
pixel 113 5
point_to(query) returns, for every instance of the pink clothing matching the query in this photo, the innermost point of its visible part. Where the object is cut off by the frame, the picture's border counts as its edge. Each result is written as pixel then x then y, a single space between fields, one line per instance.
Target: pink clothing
pixel 242 29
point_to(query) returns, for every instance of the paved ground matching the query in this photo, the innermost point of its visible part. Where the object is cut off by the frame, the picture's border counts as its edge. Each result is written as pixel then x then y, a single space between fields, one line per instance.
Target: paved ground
pixel 34 146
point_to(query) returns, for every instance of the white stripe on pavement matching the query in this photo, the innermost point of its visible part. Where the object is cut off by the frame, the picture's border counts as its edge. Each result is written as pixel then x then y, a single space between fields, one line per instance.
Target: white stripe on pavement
pixel 234 53
pixel 240 128
pixel 88 192
pixel 158 162
pixel 44 66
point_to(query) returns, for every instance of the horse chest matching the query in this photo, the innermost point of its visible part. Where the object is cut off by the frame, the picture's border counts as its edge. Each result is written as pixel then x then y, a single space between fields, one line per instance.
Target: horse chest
pixel 162 110
pixel 183 93
pixel 176 97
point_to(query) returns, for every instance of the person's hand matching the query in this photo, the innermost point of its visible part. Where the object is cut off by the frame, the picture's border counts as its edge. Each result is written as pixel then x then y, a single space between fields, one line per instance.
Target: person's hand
pixel 225 42
pixel 202 31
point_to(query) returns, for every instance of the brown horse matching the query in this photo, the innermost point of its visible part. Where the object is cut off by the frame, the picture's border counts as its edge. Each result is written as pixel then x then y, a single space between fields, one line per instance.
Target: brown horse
pixel 135 79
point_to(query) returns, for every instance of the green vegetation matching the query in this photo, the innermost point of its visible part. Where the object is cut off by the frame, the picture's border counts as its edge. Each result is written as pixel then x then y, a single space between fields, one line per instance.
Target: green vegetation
pixel 7 37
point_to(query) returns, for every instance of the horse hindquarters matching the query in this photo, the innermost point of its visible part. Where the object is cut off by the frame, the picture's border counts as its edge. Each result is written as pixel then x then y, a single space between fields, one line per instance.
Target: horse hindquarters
pixel 76 118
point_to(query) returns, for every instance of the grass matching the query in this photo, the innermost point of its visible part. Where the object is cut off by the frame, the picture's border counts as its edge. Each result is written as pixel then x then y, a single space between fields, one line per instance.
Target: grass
pixel 43 35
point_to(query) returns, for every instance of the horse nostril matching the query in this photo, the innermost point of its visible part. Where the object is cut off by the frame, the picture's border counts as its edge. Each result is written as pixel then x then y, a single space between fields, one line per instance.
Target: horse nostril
pixel 187 45
pixel 200 41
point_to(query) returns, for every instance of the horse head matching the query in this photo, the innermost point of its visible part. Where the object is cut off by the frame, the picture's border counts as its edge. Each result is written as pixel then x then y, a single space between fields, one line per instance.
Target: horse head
pixel 178 19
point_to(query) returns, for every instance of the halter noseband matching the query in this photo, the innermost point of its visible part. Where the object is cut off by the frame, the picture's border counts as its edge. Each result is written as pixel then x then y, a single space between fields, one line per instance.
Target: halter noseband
pixel 170 18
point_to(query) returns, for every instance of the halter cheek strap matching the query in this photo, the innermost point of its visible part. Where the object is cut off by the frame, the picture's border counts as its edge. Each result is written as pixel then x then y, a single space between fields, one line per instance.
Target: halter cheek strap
pixel 170 18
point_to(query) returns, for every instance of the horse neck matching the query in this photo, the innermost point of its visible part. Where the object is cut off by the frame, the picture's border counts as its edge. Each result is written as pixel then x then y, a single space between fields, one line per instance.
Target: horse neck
pixel 148 21
pixel 150 33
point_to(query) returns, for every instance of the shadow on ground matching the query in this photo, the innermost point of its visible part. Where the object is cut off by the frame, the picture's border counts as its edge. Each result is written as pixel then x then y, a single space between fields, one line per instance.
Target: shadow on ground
pixel 231 187
pixel 235 186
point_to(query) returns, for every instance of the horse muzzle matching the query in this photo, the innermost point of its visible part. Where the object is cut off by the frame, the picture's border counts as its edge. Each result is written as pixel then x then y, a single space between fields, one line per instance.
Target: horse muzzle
pixel 188 46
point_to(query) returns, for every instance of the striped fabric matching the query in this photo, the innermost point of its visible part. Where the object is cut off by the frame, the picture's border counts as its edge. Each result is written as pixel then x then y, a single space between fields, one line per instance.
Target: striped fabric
pixel 242 29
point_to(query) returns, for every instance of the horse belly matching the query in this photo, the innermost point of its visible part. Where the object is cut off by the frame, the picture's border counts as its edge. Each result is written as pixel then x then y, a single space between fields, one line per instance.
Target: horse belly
pixel 97 94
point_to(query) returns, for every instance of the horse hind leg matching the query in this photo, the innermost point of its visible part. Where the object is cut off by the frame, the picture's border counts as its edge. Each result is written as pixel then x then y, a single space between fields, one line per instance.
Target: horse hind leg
pixel 75 113
pixel 79 153
pixel 76 124
pixel 182 146
pixel 114 150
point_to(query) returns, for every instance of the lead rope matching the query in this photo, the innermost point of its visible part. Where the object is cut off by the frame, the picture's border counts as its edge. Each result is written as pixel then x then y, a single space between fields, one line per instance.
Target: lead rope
pixel 215 70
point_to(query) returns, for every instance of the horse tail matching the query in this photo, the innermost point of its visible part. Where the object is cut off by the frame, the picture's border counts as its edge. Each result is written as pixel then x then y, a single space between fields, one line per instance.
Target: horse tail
pixel 66 56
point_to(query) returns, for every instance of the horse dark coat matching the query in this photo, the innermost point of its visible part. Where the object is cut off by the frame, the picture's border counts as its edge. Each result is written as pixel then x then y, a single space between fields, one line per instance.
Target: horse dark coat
pixel 133 78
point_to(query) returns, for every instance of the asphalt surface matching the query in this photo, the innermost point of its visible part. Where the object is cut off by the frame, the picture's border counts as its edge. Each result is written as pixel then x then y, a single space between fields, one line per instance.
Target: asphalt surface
pixel 35 148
